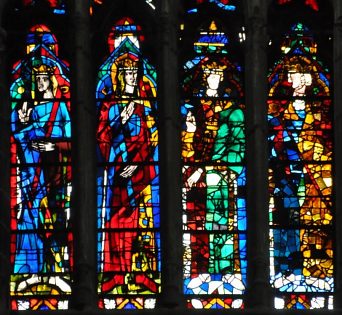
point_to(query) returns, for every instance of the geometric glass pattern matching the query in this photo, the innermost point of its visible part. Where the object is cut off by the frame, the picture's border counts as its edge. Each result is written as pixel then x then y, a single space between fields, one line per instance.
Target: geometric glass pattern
pixel 58 6
pixel 96 3
pixel 226 5
pixel 300 175
pixel 41 241
pixel 214 177
pixel 222 4
pixel 128 174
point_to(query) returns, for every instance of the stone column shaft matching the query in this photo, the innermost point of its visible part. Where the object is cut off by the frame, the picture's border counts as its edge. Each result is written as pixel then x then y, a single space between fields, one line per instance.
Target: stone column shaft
pixel 84 209
pixel 337 93
pixel 5 114
pixel 258 287
pixel 170 156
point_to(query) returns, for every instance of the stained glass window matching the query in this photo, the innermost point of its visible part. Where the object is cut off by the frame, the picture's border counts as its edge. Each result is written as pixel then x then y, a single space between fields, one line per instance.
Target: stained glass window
pixel 58 6
pixel 300 175
pixel 311 3
pixel 226 5
pixel 41 241
pixel 128 174
pixel 223 4
pixel 96 3
pixel 213 152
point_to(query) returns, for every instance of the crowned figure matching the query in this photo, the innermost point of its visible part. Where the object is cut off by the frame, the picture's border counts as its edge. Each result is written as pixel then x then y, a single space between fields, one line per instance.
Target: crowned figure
pixel 127 139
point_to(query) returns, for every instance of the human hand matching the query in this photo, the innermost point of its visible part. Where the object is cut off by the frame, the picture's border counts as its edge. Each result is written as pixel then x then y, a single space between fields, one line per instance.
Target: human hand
pixel 127 112
pixel 24 113
pixel 128 171
pixel 43 146
pixel 194 177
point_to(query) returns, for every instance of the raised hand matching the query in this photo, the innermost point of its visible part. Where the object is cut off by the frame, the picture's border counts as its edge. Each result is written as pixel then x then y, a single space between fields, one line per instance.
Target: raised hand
pixel 127 112
pixel 24 113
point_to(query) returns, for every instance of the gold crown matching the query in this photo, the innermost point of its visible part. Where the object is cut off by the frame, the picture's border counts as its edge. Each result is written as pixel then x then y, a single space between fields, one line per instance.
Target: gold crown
pixel 128 63
pixel 213 65
pixel 43 69
pixel 298 68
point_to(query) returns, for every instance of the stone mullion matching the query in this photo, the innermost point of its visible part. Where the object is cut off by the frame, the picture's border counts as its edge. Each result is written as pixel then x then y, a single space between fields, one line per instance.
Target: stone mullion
pixel 84 204
pixel 170 163
pixel 258 284
pixel 337 92
pixel 5 114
